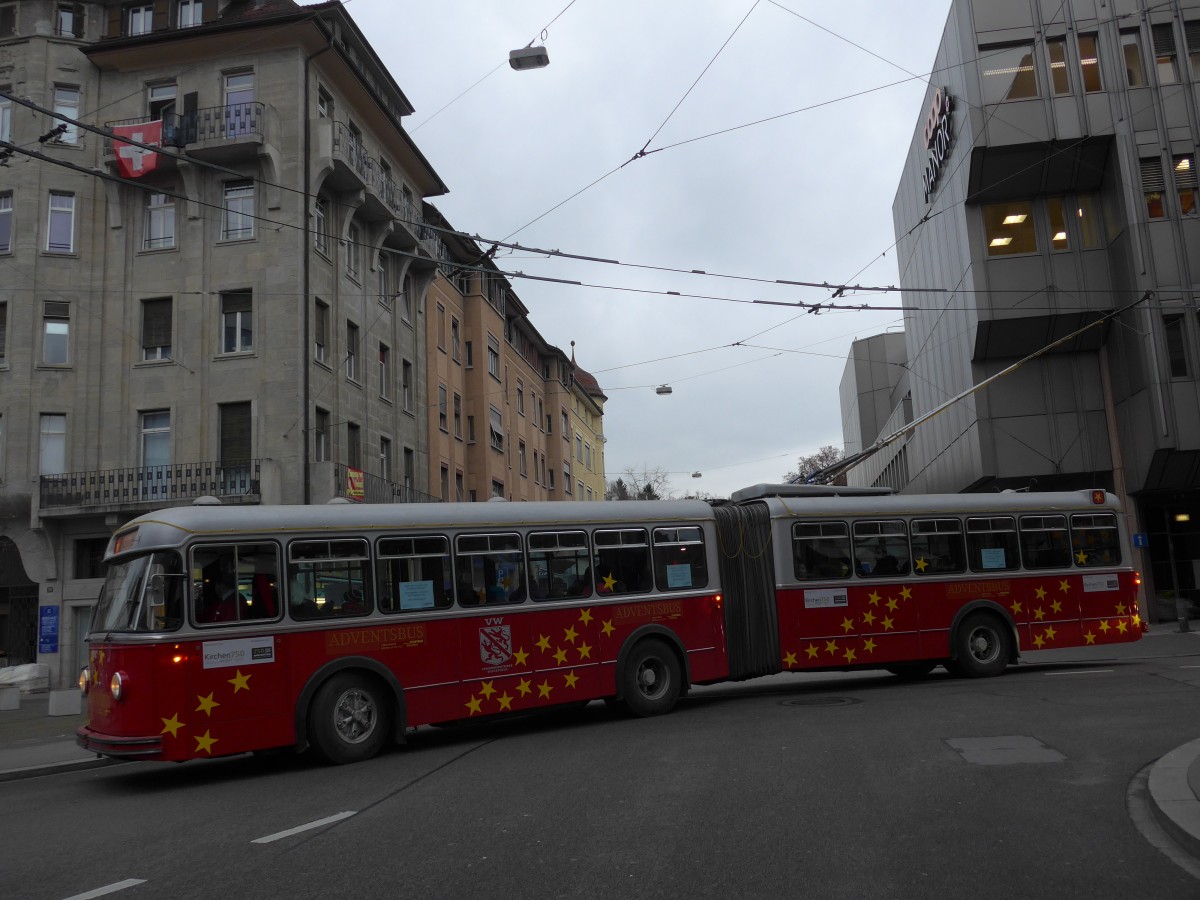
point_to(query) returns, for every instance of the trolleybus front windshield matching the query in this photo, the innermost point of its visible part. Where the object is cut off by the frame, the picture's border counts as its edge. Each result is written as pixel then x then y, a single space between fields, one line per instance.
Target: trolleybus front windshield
pixel 144 593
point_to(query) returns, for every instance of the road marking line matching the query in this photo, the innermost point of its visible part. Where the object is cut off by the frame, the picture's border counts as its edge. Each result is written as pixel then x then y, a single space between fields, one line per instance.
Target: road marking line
pixel 311 825
pixel 1082 672
pixel 110 889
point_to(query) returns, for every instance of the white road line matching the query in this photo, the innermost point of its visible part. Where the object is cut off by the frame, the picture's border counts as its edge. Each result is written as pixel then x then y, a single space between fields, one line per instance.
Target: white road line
pixel 317 824
pixel 110 889
pixel 1082 672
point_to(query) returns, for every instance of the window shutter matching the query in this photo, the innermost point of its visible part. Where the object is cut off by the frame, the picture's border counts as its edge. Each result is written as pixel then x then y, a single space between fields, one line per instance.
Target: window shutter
pixel 78 19
pixel 1152 175
pixel 235 434
pixel 57 309
pixel 162 15
pixel 116 14
pixel 156 322
pixel 210 11
pixel 235 302
pixel 1191 31
pixel 1164 40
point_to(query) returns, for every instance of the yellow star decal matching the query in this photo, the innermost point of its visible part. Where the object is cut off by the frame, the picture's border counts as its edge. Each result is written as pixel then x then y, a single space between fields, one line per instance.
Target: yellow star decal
pixel 207 704
pixel 524 687
pixel 544 689
pixel 849 654
pixel 1090 637
pixel 487 690
pixel 922 565
pixel 1137 620
pixel 474 705
pixel 869 645
pixel 812 650
pixel 1056 606
pixel 1051 633
pixel 543 643
pixel 1039 614
pixel 520 656
pixel 1104 626
pixel 1064 585
pixel 892 604
pixel 172 725
pixel 905 593
pixel 585 616
pixel 1017 608
pixel 831 647
pixel 873 597
pixel 204 742
pixel 240 682
pixel 887 623
pixel 569 635
pixel 847 625
pixel 1122 625
pixel 789 659
pixel 1040 592
pixel 585 651
pixel 1121 609
pixel 560 656
pixel 607 628
pixel 609 582
pixel 1081 558
pixel 505 701
pixel 570 678
pixel 1038 641
pixel 869 617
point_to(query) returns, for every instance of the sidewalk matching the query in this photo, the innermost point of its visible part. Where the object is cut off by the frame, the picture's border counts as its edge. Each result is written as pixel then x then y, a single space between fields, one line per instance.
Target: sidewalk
pixel 32 742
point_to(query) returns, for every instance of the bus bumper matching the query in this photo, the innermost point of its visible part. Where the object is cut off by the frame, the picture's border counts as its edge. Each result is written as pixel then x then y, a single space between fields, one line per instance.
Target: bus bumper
pixel 120 747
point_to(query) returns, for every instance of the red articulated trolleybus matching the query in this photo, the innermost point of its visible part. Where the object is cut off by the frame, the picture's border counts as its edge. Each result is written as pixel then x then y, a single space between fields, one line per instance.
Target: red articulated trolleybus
pixel 337 628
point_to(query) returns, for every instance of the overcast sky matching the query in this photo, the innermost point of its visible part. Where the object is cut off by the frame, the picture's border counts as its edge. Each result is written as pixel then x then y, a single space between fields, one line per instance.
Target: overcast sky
pixel 806 196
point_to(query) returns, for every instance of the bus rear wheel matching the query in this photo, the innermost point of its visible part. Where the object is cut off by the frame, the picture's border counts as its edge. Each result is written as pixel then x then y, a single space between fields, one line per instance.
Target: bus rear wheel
pixel 982 645
pixel 349 719
pixel 652 679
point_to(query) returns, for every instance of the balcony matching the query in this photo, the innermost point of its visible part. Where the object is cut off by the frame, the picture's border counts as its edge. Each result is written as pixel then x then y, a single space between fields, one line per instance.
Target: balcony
pixel 218 133
pixel 354 168
pixel 151 486
pixel 378 490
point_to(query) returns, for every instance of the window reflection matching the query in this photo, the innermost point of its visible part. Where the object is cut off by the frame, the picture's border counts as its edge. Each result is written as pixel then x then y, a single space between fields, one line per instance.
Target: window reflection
pixel 1008 73
pixel 1009 228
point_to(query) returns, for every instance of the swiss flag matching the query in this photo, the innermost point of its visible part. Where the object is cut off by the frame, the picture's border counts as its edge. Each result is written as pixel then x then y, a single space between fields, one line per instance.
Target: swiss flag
pixel 134 162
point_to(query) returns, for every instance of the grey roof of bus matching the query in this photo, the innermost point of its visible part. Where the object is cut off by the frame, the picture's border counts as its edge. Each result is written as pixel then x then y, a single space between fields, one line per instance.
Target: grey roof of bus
pixel 932 504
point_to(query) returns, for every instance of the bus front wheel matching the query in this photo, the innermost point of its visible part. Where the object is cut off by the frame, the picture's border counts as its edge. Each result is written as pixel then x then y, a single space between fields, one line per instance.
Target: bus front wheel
pixel 652 679
pixel 982 646
pixel 349 720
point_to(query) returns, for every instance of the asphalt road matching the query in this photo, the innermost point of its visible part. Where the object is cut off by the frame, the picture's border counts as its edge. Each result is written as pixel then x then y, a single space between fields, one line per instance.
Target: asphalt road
pixel 843 785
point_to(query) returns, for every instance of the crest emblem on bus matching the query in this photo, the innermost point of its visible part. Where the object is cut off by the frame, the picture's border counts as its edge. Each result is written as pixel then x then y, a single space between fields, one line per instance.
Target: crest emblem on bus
pixel 495 645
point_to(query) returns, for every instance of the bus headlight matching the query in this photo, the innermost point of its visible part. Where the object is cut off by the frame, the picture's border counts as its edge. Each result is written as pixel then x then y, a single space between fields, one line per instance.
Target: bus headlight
pixel 117 685
pixel 84 678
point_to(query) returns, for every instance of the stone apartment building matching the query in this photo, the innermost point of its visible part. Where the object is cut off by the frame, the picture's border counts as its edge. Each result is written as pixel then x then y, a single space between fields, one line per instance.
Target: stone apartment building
pixel 248 314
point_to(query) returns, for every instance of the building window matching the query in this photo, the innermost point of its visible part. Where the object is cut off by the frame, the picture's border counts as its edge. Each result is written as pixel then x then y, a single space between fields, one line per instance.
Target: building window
pixel 1008 73
pixel 66 103
pixel 239 104
pixel 498 489
pixel 6 113
pixel 156 329
pixel 496 429
pixel 352 351
pixel 1131 51
pixel 470 429
pixel 385 372
pixel 521 459
pixel 56 333
pixel 320 331
pixel 237 219
pixel 1173 325
pixel 1091 226
pixel 6 215
pixel 410 472
pixel 156 438
pixel 52 444
pixel 470 361
pixel 406 299
pixel 384 269
pixel 458 486
pixel 321 225
pixel 579 448
pixel 457 416
pixel 441 327
pixel 237 325
pixel 139 19
pixel 8 20
pixel 68 20
pixel 89 557
pixel 60 229
pixel 321 436
pixel 1056 51
pixel 444 483
pixel 324 104
pixel 1191 31
pixel 158 230
pixel 1089 64
pixel 189 13
pixel 406 385
pixel 1057 219
pixel 566 427
pixel 443 413
pixel 353 445
pixel 520 398
pixel 1164 53
pixel 1185 183
pixel 493 357
pixel 455 340
pixel 353 240
pixel 1153 186
pixel 385 459
pixel 1009 228
pixel 3 341
pixel 566 478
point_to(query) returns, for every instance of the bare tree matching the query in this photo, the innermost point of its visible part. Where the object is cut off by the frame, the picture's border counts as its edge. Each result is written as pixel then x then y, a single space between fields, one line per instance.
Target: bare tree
pixel 806 465
pixel 647 484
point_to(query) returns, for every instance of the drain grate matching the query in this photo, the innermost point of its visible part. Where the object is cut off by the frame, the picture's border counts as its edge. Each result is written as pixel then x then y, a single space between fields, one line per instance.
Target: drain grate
pixel 820 701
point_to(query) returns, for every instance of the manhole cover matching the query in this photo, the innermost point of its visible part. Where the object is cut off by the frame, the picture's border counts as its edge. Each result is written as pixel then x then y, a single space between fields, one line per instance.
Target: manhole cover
pixel 821 701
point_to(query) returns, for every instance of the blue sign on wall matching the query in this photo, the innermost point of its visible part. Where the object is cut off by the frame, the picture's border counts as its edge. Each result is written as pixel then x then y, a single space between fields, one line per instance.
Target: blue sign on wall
pixel 1141 539
pixel 48 630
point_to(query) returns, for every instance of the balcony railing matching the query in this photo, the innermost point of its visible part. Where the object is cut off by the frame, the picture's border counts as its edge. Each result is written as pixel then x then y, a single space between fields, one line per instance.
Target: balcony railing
pixel 350 145
pixel 152 485
pixel 213 123
pixel 175 128
pixel 378 490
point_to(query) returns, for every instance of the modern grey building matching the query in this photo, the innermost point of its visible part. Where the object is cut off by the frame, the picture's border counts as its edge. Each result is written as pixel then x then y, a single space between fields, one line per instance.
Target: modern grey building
pixel 1051 181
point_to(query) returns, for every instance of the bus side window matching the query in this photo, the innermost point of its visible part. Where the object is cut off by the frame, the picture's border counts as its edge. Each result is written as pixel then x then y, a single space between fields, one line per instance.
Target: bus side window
pixel 558 565
pixel 622 561
pixel 414 573
pixel 234 582
pixel 679 560
pixel 488 569
pixel 820 550
pixel 992 544
pixel 937 546
pixel 1045 543
pixel 328 579
pixel 1095 540
pixel 881 548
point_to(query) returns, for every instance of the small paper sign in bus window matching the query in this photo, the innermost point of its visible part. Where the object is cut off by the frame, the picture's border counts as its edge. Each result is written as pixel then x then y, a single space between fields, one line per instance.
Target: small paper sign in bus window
pixel 416 595
pixel 992 557
pixel 679 576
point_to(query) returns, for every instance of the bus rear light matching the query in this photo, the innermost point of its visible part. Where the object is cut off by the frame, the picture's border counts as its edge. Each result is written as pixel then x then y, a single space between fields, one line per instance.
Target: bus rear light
pixel 117 685
pixel 1137 579
pixel 718 600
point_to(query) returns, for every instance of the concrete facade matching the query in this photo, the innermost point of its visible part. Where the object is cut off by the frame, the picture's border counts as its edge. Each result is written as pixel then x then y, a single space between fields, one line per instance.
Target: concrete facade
pixel 1057 185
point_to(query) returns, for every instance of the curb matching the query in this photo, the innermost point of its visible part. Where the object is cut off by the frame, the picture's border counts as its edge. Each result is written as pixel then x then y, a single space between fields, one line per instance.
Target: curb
pixel 57 768
pixel 1174 803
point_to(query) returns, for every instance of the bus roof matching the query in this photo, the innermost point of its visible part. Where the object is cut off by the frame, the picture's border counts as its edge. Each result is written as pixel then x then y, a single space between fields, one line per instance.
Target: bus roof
pixel 945 504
